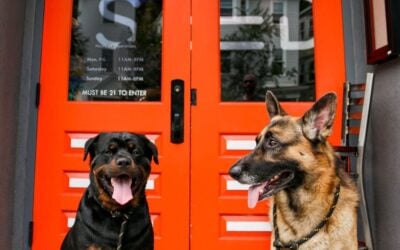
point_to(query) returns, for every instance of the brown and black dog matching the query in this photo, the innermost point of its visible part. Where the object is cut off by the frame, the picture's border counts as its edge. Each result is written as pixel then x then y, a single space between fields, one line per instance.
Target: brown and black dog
pixel 113 212
pixel 314 200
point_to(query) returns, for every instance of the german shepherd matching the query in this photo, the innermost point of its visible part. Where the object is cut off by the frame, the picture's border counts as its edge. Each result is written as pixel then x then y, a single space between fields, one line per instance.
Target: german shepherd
pixel 314 200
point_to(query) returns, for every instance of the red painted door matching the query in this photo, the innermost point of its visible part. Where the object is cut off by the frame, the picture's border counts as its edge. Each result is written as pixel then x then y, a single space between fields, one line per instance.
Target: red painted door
pixel 107 94
pixel 219 49
pixel 232 41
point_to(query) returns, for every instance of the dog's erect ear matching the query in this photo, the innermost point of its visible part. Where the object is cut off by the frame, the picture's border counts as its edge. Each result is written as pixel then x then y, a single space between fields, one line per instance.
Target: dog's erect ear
pixel 273 106
pixel 318 121
pixel 90 146
pixel 151 149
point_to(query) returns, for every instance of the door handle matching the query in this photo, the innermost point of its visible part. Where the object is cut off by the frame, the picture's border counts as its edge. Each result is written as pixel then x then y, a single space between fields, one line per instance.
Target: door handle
pixel 177 111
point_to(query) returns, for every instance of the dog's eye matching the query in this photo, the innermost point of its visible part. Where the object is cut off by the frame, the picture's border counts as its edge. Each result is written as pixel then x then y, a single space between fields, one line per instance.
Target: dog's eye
pixel 272 143
pixel 112 148
pixel 132 149
pixel 131 146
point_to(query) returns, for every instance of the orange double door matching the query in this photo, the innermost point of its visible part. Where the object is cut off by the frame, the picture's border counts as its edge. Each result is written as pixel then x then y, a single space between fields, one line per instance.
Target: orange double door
pixel 118 65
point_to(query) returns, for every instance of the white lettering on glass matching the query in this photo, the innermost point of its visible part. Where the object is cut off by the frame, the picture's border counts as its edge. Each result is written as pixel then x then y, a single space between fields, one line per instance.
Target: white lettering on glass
pixel 107 14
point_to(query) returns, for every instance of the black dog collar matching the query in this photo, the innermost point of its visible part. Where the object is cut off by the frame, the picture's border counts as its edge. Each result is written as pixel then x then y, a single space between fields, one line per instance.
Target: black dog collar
pixel 295 245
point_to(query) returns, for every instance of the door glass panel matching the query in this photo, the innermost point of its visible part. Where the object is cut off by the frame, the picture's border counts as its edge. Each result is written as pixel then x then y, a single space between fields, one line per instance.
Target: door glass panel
pixel 267 45
pixel 115 50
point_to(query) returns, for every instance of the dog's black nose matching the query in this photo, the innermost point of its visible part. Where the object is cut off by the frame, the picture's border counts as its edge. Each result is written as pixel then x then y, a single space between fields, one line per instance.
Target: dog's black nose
pixel 123 162
pixel 235 171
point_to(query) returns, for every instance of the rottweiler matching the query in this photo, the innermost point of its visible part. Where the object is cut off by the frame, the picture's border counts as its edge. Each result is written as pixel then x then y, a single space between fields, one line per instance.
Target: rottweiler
pixel 113 212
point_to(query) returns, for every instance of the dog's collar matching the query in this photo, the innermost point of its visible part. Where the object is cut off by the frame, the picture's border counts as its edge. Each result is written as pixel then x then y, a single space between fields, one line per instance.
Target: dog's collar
pixel 295 244
pixel 125 218
pixel 120 214
pixel 117 214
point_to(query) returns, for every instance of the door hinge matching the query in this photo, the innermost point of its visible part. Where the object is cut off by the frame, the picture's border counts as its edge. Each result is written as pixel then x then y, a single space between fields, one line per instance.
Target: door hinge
pixel 193 97
pixel 37 101
pixel 30 233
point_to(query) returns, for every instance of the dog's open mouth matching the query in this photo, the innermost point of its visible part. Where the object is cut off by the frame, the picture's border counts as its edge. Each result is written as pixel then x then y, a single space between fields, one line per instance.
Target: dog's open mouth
pixel 268 188
pixel 121 187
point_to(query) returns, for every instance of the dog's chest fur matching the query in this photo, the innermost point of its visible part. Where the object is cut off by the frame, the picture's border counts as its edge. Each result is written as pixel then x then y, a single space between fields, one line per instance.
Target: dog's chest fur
pixel 336 234
pixel 95 228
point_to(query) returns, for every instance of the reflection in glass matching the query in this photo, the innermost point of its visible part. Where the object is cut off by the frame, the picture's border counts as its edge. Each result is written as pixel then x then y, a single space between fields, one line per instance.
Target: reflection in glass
pixel 115 50
pixel 267 45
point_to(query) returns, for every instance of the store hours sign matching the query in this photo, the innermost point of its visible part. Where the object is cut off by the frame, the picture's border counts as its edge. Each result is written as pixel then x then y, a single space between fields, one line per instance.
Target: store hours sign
pixel 115 50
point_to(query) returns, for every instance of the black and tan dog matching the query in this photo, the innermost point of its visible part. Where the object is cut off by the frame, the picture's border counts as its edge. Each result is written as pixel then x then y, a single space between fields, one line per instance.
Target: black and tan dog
pixel 113 213
pixel 314 200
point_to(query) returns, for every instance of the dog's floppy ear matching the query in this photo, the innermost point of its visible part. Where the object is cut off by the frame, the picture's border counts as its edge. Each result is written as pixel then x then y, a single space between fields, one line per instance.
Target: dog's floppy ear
pixel 90 146
pixel 318 121
pixel 151 151
pixel 273 106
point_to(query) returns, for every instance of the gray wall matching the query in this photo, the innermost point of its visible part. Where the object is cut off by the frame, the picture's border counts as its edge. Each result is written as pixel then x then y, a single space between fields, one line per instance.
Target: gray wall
pixel 11 39
pixel 26 126
pixel 384 136
pixel 20 39
pixel 382 157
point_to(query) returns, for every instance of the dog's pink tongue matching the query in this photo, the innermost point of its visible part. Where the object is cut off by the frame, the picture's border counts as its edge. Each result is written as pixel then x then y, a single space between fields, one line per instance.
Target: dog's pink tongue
pixel 122 189
pixel 253 195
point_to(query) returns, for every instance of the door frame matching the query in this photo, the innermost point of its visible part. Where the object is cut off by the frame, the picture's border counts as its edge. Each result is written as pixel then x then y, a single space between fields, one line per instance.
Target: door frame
pixel 27 130
pixel 29 88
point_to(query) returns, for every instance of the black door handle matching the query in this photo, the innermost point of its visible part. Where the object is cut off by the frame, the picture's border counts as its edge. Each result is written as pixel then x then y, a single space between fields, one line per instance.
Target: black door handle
pixel 177 111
